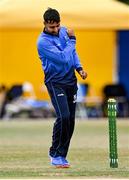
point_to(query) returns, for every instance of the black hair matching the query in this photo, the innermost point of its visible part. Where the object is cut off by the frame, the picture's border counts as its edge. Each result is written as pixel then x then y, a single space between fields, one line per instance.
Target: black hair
pixel 51 15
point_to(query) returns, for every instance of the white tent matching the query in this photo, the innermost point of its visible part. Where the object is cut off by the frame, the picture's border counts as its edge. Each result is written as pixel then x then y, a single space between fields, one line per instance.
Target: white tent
pixel 82 14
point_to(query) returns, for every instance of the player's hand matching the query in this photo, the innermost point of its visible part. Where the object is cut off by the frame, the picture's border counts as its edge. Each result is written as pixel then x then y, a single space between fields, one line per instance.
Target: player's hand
pixel 70 32
pixel 83 74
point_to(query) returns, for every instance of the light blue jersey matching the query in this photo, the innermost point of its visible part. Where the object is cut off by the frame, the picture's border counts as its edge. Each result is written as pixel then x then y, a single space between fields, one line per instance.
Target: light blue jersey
pixel 58 56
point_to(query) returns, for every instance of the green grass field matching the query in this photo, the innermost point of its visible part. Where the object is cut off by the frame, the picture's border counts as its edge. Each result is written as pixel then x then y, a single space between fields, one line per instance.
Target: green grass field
pixel 24 150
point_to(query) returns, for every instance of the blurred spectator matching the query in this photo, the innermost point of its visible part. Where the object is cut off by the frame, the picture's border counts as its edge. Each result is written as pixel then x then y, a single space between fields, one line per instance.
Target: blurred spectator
pixel 3 90
pixel 10 95
pixel 21 99
pixel 81 110
pixel 118 92
pixel 28 90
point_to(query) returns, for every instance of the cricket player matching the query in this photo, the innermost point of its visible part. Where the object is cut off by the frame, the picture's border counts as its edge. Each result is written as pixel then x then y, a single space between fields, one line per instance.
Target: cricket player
pixel 57 51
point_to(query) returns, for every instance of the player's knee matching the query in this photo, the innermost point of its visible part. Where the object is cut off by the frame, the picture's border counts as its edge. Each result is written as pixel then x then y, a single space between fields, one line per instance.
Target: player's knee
pixel 66 116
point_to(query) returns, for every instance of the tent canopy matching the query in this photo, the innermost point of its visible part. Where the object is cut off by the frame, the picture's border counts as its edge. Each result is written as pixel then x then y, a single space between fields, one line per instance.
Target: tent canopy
pixel 80 14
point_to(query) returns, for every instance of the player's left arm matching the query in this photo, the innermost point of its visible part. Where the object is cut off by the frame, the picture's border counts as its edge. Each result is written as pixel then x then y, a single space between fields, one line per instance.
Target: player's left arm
pixel 78 66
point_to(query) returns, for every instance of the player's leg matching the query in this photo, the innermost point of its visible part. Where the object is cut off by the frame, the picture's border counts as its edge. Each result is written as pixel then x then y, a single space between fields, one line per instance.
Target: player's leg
pixel 71 97
pixel 61 129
